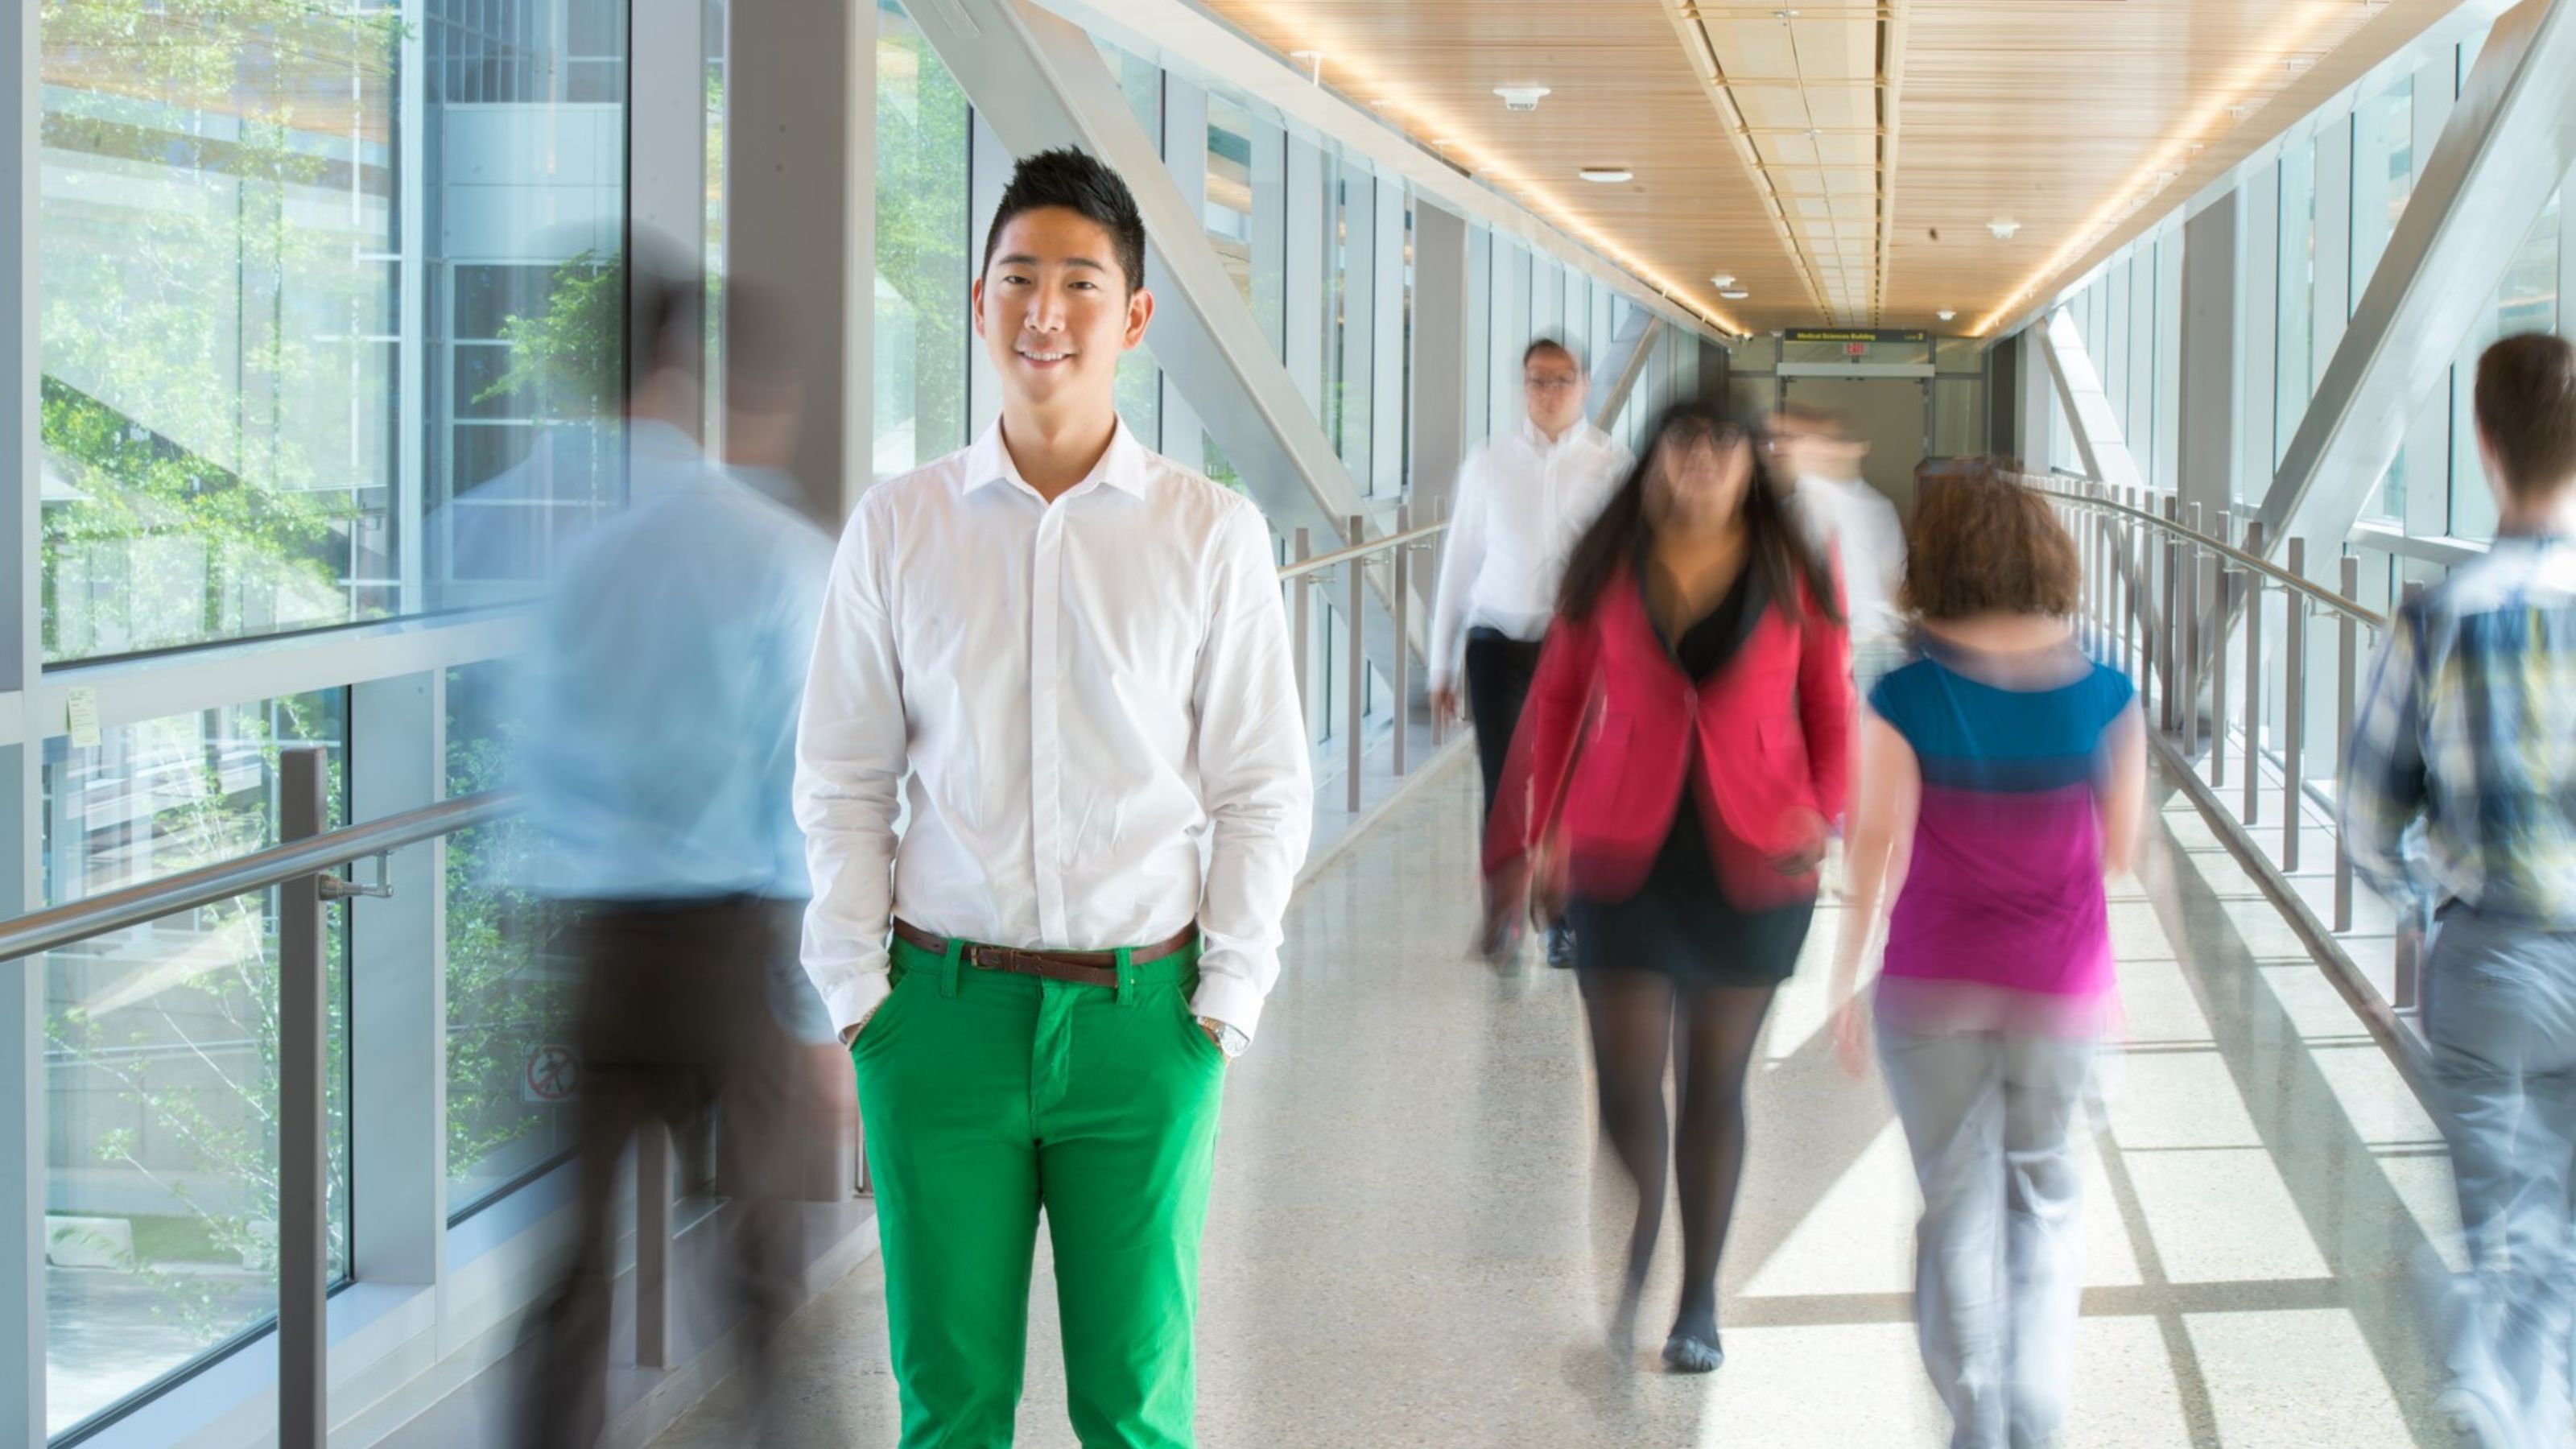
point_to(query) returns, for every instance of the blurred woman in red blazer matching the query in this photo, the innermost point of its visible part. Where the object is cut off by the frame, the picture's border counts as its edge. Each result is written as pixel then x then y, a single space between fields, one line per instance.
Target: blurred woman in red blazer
pixel 1673 781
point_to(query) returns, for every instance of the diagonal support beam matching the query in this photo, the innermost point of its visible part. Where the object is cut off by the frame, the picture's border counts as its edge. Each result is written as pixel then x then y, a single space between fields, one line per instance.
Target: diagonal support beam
pixel 1037 81
pixel 2505 149
pixel 1615 375
pixel 2089 416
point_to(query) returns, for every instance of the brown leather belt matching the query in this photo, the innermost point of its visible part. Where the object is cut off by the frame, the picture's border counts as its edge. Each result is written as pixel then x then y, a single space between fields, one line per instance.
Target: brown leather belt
pixel 1087 968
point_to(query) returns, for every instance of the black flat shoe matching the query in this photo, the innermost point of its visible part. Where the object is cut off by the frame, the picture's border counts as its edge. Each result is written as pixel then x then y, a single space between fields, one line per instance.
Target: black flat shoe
pixel 1689 1354
pixel 1560 947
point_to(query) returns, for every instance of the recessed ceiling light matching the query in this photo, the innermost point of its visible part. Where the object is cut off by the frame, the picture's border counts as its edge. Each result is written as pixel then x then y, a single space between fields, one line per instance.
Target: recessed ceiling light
pixel 2003 228
pixel 1724 280
pixel 1784 14
pixel 1520 98
pixel 1735 294
pixel 1946 315
pixel 1606 175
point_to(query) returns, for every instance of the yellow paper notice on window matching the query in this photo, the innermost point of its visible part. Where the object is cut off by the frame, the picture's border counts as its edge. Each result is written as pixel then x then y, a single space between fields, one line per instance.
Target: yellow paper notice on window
pixel 82 719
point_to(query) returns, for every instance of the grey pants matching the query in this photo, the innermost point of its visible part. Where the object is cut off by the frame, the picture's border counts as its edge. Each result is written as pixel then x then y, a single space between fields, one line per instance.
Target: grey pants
pixel 1991 1120
pixel 2500 1019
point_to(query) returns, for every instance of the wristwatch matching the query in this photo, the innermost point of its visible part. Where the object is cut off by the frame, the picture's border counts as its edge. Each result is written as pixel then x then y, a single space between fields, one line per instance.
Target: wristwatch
pixel 1230 1039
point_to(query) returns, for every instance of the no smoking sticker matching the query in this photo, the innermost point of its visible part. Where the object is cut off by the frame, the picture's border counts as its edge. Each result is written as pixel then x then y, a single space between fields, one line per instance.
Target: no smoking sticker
pixel 553 1075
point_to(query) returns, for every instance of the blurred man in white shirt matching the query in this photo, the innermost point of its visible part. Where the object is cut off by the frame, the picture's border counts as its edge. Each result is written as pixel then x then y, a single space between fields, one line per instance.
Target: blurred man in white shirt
pixel 1818 454
pixel 1523 500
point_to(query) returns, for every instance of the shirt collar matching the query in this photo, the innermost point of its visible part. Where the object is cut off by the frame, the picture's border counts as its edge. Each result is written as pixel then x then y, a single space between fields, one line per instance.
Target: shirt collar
pixel 1122 467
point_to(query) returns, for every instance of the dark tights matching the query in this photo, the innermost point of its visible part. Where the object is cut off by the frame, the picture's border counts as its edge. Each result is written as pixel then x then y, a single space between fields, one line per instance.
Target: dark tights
pixel 1635 1016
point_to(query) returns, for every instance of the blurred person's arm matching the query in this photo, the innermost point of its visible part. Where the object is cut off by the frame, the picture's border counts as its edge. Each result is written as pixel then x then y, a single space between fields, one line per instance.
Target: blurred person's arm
pixel 1825 707
pixel 2383 785
pixel 1254 778
pixel 2123 792
pixel 1462 557
pixel 1881 848
pixel 849 766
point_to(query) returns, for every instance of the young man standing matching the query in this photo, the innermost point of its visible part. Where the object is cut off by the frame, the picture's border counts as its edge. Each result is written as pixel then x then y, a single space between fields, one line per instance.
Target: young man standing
pixel 2464 728
pixel 1523 501
pixel 1074 651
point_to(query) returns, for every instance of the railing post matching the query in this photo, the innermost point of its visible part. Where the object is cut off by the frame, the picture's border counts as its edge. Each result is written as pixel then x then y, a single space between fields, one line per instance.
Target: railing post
pixel 2173 632
pixel 1355 707
pixel 1400 581
pixel 1299 589
pixel 303 1207
pixel 2132 594
pixel 653 1246
pixel 2187 619
pixel 2347 661
pixel 2225 595
pixel 2253 680
pixel 2294 708
pixel 2406 992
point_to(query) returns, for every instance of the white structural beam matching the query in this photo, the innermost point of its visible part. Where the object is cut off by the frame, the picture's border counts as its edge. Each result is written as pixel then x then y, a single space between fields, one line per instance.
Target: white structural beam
pixel 1037 82
pixel 2099 446
pixel 2505 148
pixel 1615 372
pixel 22 983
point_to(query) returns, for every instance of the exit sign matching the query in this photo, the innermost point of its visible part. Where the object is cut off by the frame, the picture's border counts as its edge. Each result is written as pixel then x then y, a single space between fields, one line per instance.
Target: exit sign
pixel 1855 349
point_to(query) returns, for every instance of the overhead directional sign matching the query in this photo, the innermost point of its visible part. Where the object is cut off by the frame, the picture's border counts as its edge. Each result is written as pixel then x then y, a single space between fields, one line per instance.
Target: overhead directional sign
pixel 1855 334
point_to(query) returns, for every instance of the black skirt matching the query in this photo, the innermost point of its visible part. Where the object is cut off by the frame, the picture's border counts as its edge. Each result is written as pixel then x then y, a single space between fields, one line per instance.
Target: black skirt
pixel 1679 924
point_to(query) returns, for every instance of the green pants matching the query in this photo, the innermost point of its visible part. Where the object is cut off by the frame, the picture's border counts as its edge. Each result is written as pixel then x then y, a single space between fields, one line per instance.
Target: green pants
pixel 988 1096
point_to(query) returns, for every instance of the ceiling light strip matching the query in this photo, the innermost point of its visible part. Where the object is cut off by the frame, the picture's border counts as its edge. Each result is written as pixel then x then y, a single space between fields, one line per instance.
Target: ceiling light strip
pixel 1695 39
pixel 2235 101
pixel 1891 88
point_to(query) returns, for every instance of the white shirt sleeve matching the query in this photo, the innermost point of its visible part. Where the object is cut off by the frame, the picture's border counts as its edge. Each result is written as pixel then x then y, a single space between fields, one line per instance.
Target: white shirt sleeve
pixel 1253 777
pixel 1461 558
pixel 849 767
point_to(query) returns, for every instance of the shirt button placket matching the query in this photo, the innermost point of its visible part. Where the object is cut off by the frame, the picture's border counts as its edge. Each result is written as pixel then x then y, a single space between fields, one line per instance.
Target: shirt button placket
pixel 1046 670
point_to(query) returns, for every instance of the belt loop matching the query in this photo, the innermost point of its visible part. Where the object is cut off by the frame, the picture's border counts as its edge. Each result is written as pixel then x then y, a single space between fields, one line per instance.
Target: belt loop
pixel 1127 992
pixel 948 963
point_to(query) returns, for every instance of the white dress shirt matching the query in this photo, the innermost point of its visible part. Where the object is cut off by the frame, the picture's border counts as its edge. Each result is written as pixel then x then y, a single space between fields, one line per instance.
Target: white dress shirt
pixel 1855 526
pixel 1094 702
pixel 1521 506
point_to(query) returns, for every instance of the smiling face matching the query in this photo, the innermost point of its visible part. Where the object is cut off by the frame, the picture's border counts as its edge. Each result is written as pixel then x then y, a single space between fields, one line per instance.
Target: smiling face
pixel 1055 311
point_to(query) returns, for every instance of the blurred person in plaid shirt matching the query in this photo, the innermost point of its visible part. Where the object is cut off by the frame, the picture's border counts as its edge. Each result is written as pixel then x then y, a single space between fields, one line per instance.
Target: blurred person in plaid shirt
pixel 2459 798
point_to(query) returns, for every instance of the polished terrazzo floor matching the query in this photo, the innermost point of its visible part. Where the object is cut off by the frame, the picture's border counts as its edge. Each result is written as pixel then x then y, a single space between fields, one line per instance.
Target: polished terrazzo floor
pixel 1411 1244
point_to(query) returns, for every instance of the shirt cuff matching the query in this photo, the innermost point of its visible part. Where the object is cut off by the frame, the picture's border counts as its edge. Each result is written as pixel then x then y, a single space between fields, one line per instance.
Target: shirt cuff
pixel 850 1002
pixel 1229 999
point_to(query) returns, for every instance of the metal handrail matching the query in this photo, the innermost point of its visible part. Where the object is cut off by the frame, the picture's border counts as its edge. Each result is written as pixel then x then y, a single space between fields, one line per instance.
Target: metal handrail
pixel 69 925
pixel 1373 547
pixel 2240 558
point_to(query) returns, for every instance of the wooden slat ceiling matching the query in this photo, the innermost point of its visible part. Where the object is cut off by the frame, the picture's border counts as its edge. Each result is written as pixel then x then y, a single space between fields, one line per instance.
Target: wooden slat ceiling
pixel 1842 159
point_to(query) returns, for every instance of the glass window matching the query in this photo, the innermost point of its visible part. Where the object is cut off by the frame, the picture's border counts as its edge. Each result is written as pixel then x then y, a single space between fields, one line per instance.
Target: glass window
pixel 1351 316
pixel 2526 301
pixel 509 994
pixel 924 261
pixel 2293 377
pixel 161 1051
pixel 525 215
pixel 220 287
pixel 1480 340
pixel 2383 176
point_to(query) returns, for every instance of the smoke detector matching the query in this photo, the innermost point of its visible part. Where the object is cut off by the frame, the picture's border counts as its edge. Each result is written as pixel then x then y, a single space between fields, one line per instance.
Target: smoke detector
pixel 2003 228
pixel 1520 98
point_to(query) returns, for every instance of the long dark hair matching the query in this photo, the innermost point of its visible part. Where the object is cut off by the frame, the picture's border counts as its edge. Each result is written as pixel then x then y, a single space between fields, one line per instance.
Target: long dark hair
pixel 1776 547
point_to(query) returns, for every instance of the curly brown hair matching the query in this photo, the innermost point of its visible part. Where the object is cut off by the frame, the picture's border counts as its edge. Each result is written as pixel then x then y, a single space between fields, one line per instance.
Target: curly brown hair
pixel 1981 543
